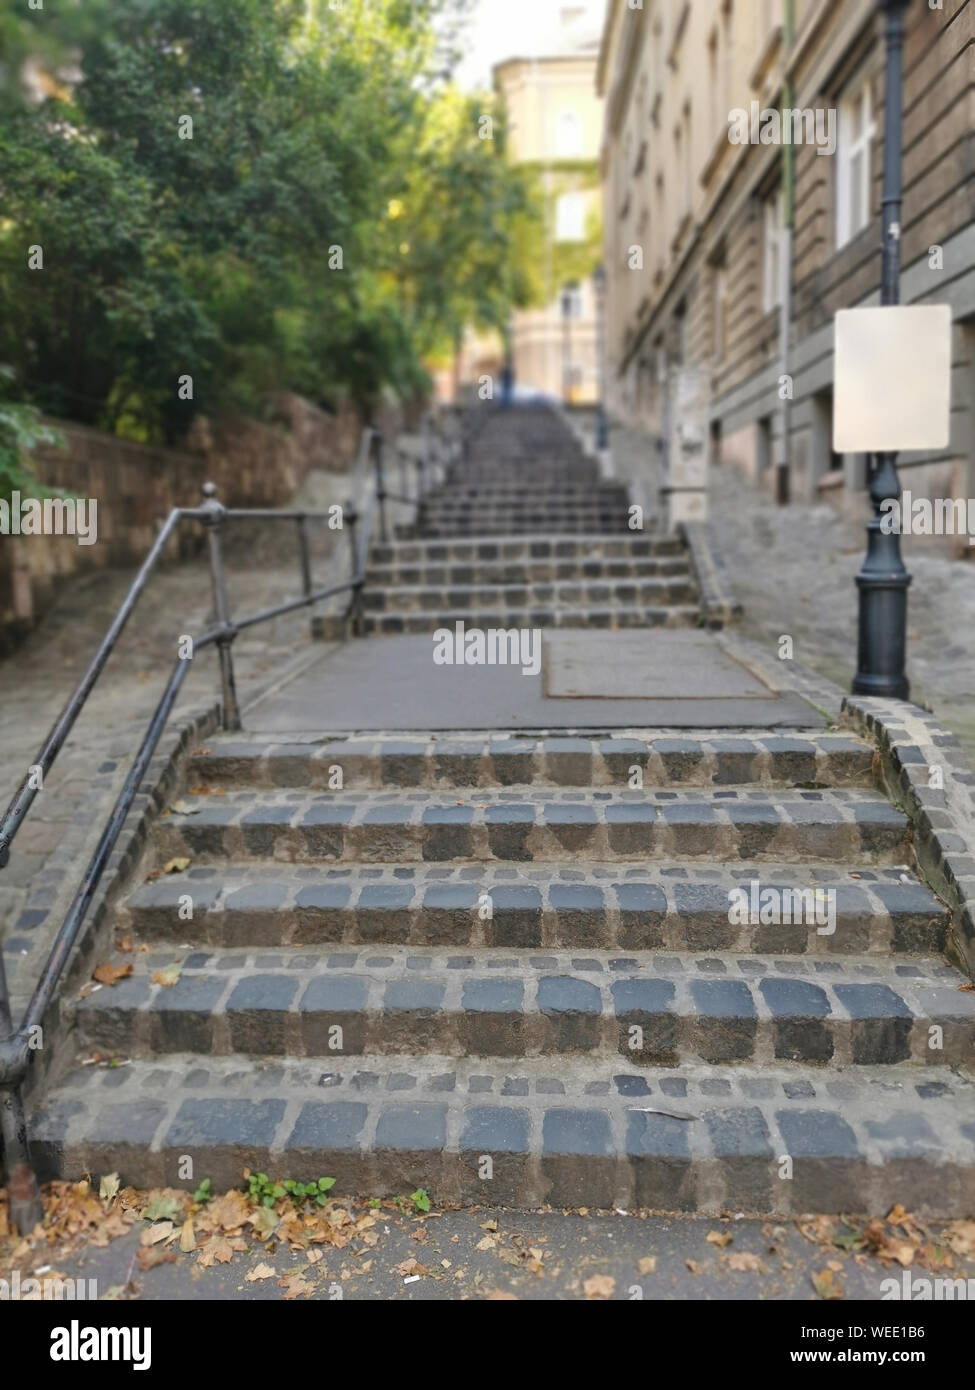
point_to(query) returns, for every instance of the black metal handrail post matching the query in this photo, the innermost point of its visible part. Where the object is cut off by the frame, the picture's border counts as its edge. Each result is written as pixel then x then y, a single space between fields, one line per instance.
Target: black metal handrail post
pixel 22 1189
pixel 214 520
pixel 883 581
pixel 377 458
pixel 354 613
pixel 307 588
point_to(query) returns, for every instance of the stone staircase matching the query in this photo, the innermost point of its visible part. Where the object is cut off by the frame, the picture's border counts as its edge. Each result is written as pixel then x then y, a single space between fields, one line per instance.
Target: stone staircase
pixel 507 968
pixel 524 533
pixel 489 955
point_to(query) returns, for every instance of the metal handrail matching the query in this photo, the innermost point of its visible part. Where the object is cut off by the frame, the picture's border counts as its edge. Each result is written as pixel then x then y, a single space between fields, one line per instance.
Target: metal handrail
pixel 16 1045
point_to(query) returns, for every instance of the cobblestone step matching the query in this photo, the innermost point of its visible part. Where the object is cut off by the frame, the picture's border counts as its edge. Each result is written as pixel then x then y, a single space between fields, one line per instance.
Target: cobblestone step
pixel 529 571
pixel 526 486
pixel 652 593
pixel 528 1132
pixel 628 908
pixel 463 550
pixel 497 760
pixel 546 515
pixel 436 528
pixel 605 618
pixel 671 1012
pixel 841 825
pixel 532 472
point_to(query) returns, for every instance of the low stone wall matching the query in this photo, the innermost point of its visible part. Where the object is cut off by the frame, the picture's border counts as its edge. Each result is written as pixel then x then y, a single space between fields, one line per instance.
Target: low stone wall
pixel 253 464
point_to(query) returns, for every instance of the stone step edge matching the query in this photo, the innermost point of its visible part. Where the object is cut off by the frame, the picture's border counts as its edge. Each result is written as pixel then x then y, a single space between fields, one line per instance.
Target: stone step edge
pixel 251 907
pixel 757 1016
pixel 873 1142
pixel 349 829
pixel 639 615
pixel 561 762
pixel 650 543
pixel 658 544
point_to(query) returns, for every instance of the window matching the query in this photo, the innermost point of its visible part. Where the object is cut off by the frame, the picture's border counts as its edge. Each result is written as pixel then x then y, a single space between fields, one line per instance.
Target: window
pixel 720 310
pixel 853 146
pixel 570 217
pixel 568 136
pixel 727 55
pixel 772 252
pixel 716 116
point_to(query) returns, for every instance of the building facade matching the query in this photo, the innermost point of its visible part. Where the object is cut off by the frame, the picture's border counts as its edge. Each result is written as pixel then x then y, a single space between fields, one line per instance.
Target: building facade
pixel 554 123
pixel 730 246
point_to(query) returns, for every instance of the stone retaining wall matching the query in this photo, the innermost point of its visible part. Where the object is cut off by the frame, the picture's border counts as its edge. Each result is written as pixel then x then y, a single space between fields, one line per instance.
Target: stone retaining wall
pixel 136 485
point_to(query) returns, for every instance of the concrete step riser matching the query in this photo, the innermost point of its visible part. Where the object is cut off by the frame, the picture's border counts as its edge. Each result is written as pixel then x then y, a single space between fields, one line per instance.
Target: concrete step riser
pixel 550 763
pixel 873 839
pixel 653 592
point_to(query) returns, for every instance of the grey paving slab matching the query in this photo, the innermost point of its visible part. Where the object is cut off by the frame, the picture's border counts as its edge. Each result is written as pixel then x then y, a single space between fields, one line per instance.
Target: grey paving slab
pixel 393 683
pixel 645 664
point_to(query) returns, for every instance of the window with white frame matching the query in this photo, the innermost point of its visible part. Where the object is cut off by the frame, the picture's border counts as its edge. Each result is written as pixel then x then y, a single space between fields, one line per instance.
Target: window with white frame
pixel 568 135
pixel 772 252
pixel 570 217
pixel 853 147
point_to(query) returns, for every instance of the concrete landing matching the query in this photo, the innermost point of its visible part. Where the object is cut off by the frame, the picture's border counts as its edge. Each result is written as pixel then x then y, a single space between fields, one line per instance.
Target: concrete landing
pixel 392 683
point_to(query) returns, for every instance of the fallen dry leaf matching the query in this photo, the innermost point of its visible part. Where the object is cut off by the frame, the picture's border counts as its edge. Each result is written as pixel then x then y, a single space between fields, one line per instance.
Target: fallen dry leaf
pixel 229 1212
pixel 960 1236
pixel 187 1237
pixel 177 865
pixel 744 1261
pixel 827 1285
pixel 648 1265
pixel 160 1230
pixel 168 976
pixel 149 1257
pixel 220 1249
pixel 261 1271
pixel 599 1286
pixel 109 974
pixel 108 1187
pixel 721 1238
pixel 295 1286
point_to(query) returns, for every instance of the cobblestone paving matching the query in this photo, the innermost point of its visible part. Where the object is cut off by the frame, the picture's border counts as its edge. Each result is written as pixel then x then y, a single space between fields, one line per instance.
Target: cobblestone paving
pixel 794 569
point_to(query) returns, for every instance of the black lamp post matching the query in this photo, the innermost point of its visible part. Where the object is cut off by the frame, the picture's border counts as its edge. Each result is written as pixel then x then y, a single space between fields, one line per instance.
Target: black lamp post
pixel 567 306
pixel 599 284
pixel 883 581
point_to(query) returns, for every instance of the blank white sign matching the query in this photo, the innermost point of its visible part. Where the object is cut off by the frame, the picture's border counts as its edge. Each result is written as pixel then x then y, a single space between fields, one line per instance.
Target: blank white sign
pixel 892 382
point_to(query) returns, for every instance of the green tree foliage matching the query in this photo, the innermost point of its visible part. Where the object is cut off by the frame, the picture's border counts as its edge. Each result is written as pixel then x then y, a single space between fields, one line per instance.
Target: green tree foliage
pixel 333 221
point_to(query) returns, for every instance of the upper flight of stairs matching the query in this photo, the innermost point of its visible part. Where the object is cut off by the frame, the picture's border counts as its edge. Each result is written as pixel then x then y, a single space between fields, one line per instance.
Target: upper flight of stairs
pixel 525 533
